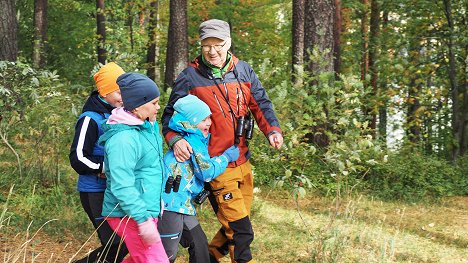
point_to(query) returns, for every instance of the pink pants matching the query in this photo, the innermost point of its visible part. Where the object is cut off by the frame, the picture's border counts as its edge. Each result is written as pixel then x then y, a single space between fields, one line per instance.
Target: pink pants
pixel 127 229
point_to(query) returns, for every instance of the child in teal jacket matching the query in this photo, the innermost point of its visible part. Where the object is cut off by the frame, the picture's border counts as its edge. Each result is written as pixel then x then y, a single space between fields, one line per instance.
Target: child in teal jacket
pixel 185 181
pixel 134 169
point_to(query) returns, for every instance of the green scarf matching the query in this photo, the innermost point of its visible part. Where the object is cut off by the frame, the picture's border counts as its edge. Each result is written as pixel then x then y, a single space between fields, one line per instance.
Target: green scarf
pixel 218 72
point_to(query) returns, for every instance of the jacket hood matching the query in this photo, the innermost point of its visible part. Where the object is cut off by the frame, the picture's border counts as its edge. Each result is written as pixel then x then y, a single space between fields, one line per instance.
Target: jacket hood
pixel 180 124
pixel 94 103
pixel 112 129
pixel 121 116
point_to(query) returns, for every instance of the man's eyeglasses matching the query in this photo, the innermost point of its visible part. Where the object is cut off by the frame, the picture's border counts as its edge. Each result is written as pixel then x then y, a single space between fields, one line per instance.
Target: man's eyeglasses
pixel 207 48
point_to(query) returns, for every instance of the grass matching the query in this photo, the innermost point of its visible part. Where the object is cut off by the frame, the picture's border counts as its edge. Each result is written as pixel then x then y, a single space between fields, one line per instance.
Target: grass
pixel 313 229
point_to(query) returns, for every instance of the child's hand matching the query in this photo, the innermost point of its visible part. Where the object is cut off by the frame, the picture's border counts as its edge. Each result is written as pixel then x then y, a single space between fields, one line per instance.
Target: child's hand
pixel 232 153
pixel 149 232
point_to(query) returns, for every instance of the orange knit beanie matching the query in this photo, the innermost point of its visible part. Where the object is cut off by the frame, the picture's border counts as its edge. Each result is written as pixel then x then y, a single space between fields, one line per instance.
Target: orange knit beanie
pixel 106 78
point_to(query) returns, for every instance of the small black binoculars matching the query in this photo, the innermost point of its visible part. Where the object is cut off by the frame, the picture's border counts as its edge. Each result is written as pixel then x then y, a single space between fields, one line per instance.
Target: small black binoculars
pixel 245 125
pixel 172 183
pixel 201 197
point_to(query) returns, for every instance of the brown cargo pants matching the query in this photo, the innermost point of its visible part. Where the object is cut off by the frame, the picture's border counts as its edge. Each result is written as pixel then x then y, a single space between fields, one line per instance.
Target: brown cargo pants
pixel 231 200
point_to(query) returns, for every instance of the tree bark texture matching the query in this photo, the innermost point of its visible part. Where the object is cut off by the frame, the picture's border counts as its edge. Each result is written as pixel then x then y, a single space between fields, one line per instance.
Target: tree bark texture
pixel 318 34
pixel 8 31
pixel 337 29
pixel 382 124
pixel 177 43
pixel 458 114
pixel 298 40
pixel 153 49
pixel 130 25
pixel 40 33
pixel 101 31
pixel 374 47
pixel 364 40
pixel 413 118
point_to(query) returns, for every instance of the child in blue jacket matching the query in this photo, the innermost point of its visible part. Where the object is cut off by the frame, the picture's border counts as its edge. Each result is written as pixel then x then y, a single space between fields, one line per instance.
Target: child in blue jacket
pixel 134 169
pixel 185 181
pixel 87 159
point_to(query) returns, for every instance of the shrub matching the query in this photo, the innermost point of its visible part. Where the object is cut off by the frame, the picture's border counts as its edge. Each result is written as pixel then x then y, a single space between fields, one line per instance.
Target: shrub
pixel 413 176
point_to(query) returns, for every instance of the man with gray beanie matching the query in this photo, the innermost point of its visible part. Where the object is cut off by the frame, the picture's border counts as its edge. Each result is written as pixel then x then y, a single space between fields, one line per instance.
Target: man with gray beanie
pixel 236 97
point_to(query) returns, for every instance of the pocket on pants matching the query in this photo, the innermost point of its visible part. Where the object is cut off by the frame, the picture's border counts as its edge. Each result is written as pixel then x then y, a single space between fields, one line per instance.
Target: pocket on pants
pixel 231 202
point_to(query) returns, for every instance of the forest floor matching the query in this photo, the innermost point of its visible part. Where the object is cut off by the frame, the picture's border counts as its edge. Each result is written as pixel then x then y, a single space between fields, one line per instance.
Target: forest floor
pixel 363 230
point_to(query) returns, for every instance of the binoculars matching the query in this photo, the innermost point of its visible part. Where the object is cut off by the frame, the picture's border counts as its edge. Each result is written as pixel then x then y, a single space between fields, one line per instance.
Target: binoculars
pixel 245 125
pixel 201 197
pixel 172 183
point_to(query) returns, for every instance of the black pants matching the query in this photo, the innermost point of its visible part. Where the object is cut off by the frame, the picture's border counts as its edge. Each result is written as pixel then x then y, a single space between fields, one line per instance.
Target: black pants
pixel 175 229
pixel 111 249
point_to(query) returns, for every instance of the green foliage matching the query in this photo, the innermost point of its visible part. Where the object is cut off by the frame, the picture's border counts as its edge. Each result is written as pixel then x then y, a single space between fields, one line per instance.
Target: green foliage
pixel 36 122
pixel 330 111
pixel 414 176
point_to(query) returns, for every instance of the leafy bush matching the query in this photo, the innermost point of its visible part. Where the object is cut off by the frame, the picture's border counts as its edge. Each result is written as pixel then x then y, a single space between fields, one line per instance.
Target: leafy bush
pixel 328 145
pixel 36 123
pixel 413 177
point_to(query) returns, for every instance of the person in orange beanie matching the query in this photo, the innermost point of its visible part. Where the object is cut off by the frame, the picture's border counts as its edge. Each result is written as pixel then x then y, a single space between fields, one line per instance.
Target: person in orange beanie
pixel 87 159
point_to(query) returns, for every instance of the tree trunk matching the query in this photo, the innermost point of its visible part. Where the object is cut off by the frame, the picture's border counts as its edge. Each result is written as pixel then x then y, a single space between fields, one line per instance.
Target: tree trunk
pixel 457 113
pixel 130 24
pixel 337 38
pixel 40 33
pixel 382 124
pixel 153 39
pixel 374 47
pixel 101 31
pixel 413 120
pixel 8 31
pixel 298 41
pixel 318 34
pixel 364 41
pixel 177 43
pixel 318 38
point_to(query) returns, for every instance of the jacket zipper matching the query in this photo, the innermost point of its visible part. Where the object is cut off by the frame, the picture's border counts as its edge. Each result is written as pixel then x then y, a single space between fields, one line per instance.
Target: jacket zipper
pixel 219 104
pixel 225 88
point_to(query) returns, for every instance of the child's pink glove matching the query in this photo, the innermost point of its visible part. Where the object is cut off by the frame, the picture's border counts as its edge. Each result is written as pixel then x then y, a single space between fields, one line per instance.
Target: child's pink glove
pixel 149 232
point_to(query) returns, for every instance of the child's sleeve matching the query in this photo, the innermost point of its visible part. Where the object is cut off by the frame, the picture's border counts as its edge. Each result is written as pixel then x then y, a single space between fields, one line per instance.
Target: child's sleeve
pixel 206 168
pixel 82 159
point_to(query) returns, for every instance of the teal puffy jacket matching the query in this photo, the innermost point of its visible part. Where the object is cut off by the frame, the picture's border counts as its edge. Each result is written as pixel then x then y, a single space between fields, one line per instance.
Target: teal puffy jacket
pixel 134 168
pixel 194 172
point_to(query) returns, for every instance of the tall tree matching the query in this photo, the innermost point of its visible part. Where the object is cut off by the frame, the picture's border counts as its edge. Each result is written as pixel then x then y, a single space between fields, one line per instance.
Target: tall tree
pixel 8 31
pixel 298 41
pixel 153 48
pixel 318 34
pixel 319 40
pixel 337 29
pixel 364 40
pixel 413 115
pixel 101 31
pixel 458 110
pixel 130 23
pixel 40 33
pixel 374 48
pixel 382 124
pixel 177 41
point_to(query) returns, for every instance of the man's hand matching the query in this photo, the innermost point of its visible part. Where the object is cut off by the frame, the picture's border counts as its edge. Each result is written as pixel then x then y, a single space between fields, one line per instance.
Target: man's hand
pixel 276 140
pixel 182 150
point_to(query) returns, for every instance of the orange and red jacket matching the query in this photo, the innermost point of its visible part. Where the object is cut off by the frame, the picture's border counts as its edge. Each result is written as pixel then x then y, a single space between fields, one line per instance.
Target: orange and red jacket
pixel 241 87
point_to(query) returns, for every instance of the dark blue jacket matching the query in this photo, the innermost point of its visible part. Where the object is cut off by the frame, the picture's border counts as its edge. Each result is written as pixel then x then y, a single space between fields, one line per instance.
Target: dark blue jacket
pixel 86 156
